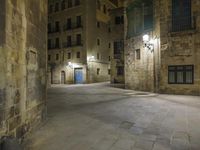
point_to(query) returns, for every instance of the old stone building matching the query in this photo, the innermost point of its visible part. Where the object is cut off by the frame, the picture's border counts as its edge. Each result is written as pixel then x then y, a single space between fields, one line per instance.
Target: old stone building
pixel 78 41
pixel 162 46
pixel 117 47
pixel 23 65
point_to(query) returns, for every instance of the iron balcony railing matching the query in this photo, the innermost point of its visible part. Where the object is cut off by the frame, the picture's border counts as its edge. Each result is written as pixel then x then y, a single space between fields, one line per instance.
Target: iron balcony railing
pixel 71 27
pixel 53 46
pixel 183 23
pixel 72 44
pixel 53 30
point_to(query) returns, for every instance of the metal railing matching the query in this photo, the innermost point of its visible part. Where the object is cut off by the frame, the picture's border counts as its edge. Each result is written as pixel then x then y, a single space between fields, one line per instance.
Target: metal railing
pixel 72 44
pixel 53 46
pixel 183 23
pixel 72 27
pixel 54 30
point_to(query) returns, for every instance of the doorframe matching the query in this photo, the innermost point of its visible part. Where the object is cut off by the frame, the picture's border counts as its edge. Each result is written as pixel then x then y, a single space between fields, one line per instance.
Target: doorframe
pixel 75 74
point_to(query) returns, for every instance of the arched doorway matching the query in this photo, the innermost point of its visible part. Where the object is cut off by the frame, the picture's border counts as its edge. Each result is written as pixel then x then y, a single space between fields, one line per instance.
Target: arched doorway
pixel 62 77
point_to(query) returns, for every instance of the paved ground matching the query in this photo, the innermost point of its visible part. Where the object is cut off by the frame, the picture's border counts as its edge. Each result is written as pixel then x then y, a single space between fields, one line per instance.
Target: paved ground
pixel 99 117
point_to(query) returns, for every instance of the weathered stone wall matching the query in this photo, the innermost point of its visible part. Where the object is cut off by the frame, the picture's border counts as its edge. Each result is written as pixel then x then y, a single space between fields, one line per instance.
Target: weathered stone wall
pixel 139 73
pixel 23 65
pixel 116 35
pixel 170 48
pixel 179 48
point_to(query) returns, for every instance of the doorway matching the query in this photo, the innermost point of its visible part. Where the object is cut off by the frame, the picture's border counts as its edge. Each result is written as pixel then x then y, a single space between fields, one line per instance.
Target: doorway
pixel 63 77
pixel 78 76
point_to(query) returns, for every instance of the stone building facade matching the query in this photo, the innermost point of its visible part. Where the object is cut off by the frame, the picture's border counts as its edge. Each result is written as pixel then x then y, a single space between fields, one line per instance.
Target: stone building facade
pixel 78 40
pixel 23 65
pixel 167 60
pixel 117 38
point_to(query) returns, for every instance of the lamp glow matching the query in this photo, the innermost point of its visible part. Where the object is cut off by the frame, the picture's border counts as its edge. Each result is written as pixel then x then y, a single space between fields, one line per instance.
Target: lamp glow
pixel 146 38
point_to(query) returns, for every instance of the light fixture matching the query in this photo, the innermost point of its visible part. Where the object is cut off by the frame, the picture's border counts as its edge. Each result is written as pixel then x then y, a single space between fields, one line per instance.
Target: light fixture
pixel 90 58
pixel 148 44
pixel 69 63
pixel 145 38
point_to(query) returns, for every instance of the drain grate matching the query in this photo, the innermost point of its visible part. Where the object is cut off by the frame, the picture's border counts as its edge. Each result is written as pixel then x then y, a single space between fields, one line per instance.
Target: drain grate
pixel 126 125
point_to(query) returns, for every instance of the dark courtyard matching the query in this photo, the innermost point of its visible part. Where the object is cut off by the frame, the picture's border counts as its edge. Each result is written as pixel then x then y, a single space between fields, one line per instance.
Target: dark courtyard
pixel 101 117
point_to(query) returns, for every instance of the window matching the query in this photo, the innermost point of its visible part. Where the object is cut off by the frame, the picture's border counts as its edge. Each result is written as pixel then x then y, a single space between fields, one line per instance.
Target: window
pixel 98 56
pixel 50 8
pixel 98 5
pixel 98 71
pixel 109 45
pixel 57 7
pixel 57 25
pixel 98 24
pixel 77 2
pixel 49 43
pixel 78 55
pixel 78 21
pixel 69 23
pixel 120 71
pixel 69 56
pixel 122 19
pixel 57 56
pixel 181 15
pixel 109 71
pixel 69 3
pixel 109 58
pixel 98 42
pixel 69 41
pixel 49 57
pixel 140 17
pixel 57 45
pixel 117 20
pixel 181 74
pixel 118 47
pixel 109 30
pixel 78 39
pixel 148 17
pixel 104 9
pixel 137 51
pixel 49 27
pixel 63 5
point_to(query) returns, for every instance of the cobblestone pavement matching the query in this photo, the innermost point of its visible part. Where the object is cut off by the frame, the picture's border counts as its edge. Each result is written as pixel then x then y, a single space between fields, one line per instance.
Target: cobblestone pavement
pixel 100 117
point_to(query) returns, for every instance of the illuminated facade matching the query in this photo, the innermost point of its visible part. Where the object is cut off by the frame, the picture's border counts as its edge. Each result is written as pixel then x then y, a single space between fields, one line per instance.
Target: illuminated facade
pixel 78 41
pixel 162 47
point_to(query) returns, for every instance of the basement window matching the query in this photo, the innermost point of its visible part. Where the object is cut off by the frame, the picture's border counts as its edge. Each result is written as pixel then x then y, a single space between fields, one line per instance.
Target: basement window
pixel 181 74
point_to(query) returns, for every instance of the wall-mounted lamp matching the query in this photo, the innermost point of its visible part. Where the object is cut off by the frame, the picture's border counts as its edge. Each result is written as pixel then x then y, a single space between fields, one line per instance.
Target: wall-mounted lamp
pixel 90 58
pixel 70 64
pixel 149 44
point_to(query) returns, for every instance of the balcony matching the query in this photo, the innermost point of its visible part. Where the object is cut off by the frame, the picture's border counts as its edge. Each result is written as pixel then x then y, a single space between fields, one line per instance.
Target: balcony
pixel 50 47
pixel 72 44
pixel 72 27
pixel 54 30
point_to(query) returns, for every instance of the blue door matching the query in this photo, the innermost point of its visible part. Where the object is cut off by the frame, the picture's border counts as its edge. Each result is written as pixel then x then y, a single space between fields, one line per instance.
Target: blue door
pixel 78 76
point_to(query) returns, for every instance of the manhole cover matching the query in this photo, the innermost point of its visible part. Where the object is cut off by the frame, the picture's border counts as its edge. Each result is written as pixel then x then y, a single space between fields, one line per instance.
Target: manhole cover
pixel 126 125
